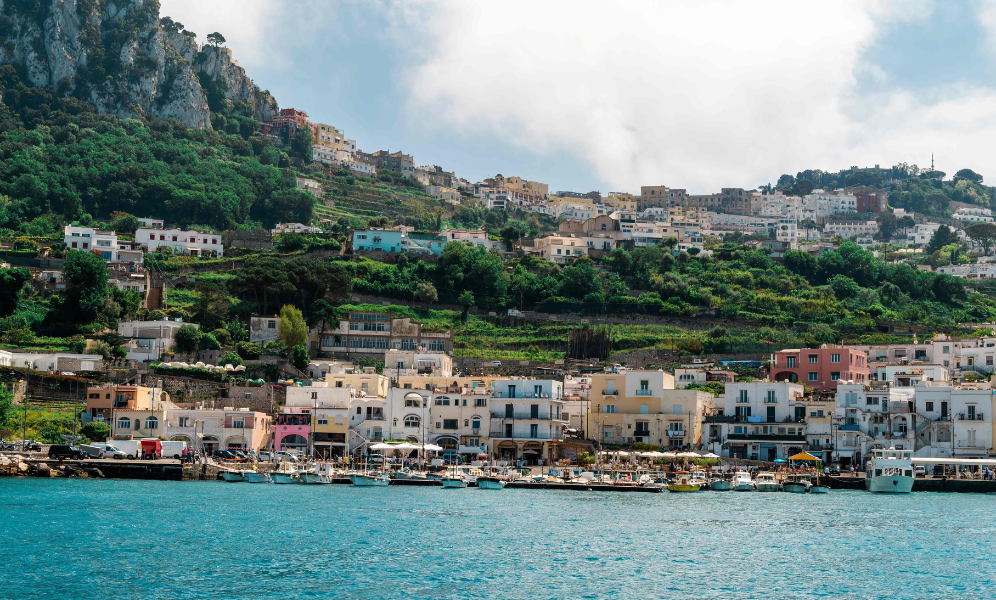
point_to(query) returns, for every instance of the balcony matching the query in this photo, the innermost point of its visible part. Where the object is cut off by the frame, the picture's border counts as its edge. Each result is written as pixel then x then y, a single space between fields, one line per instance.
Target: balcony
pixel 475 431
pixel 521 415
pixel 975 417
pixel 643 392
pixel 540 437
pixel 850 427
pixel 610 393
pixel 523 395
pixel 374 418
pixel 766 436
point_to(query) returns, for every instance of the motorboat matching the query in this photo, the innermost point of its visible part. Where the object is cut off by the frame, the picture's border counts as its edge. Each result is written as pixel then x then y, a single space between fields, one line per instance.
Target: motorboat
pixel 890 471
pixel 796 485
pixel 721 485
pixel 370 479
pixel 742 482
pixel 700 478
pixel 654 486
pixel 315 477
pixel 684 483
pixel 234 476
pixel 490 483
pixel 257 477
pixel 816 488
pixel 766 482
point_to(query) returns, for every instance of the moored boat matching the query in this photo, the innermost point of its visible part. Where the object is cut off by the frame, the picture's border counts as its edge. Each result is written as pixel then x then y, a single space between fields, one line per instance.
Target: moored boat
pixel 370 479
pixel 315 478
pixel 490 483
pixel 684 483
pixel 454 481
pixel 721 485
pixel 890 471
pixel 766 482
pixel 234 476
pixel 796 485
pixel 742 482
pixel 257 477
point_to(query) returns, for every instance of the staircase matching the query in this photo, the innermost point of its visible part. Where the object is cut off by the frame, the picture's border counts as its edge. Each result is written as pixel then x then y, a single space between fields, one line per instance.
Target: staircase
pixel 355 441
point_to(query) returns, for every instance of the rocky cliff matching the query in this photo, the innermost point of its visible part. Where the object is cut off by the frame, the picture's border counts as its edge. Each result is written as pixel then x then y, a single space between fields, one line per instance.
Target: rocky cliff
pixel 118 55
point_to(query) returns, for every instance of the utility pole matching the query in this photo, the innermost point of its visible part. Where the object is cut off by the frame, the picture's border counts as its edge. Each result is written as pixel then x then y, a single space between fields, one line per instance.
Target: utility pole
pixel 27 392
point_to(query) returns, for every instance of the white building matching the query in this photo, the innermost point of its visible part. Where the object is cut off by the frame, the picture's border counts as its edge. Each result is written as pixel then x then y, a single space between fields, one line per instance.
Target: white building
pixel 474 237
pixel 526 419
pixel 52 362
pixel 922 232
pixel 150 223
pixel 295 228
pixel 976 271
pixel 851 228
pixel 190 243
pixel 768 421
pixel 974 214
pixel 149 340
pixel 88 239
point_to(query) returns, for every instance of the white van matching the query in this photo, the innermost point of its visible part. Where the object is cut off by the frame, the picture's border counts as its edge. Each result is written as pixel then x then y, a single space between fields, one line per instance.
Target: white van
pixel 173 449
pixel 109 450
pixel 129 447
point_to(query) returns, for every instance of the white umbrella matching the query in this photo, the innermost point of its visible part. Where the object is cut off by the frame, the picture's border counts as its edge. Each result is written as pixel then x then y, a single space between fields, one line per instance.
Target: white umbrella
pixel 688 455
pixel 710 455
pixel 669 455
pixel 430 447
pixel 381 446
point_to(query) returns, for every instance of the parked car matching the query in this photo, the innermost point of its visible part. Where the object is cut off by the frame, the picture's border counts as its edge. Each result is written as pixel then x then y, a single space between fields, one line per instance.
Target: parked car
pixel 282 456
pixel 496 363
pixel 833 470
pixel 266 456
pixel 224 454
pixel 60 452
pixel 919 471
pixel 110 451
pixel 92 451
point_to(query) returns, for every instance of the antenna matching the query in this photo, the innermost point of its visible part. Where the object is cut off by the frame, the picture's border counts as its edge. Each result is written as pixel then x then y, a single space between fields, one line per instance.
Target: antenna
pixel 931 161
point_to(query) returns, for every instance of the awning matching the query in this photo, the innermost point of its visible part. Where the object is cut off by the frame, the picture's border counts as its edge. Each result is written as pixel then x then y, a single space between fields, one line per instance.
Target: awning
pixel 804 456
pixel 530 451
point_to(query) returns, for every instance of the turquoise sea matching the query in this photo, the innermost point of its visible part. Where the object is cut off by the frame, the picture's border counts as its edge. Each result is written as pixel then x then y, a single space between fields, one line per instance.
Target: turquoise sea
pixel 108 539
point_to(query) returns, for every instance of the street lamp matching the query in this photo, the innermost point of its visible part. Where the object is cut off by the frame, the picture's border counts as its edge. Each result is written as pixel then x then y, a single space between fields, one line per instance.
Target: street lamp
pixel 27 392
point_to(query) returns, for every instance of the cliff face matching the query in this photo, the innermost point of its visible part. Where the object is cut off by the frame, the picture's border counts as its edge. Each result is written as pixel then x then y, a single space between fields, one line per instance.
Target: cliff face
pixel 116 54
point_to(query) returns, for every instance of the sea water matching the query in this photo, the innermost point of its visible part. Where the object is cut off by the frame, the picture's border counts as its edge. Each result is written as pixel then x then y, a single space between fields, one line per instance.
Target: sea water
pixel 80 539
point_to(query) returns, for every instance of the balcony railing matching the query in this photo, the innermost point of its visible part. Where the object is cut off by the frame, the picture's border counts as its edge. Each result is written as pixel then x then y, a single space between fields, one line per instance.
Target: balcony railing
pixel 610 392
pixel 975 417
pixel 540 437
pixel 521 415
pixel 643 392
pixel 522 395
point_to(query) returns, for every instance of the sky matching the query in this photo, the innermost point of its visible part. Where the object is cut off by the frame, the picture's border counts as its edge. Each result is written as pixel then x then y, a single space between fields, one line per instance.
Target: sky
pixel 587 95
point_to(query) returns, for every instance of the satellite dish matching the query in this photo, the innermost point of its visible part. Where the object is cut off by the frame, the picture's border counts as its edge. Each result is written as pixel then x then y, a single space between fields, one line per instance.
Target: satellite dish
pixel 85 417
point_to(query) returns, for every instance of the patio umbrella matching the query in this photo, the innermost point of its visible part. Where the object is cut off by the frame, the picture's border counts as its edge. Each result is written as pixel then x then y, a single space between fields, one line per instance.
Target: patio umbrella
pixel 779 460
pixel 382 446
pixel 669 455
pixel 804 456
pixel 688 455
pixel 431 447
pixel 710 455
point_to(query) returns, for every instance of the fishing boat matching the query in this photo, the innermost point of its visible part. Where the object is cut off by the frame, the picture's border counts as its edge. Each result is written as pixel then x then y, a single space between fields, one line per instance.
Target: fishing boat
pixel 371 478
pixel 684 483
pixel 796 485
pixel 234 476
pixel 489 482
pixel 454 481
pixel 766 482
pixel 285 474
pixel 257 477
pixel 314 476
pixel 816 488
pixel 890 471
pixel 742 482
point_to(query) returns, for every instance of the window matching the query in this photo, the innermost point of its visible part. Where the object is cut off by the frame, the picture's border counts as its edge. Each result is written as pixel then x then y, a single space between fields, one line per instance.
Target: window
pixel 771 397
pixel 743 411
pixel 813 359
pixel 314 395
pixel 475 423
pixel 183 422
pixel 152 423
pixel 871 400
pixel 814 377
pixel 323 420
pixel 790 362
pixel 835 358
pixel 644 409
pixel 239 423
pixel 124 423
pixel 929 406
pixel 481 402
pixel 451 423
pixel 271 324
pixel 834 376
pixel 946 350
pixel 412 421
pixel 611 408
pixel 743 397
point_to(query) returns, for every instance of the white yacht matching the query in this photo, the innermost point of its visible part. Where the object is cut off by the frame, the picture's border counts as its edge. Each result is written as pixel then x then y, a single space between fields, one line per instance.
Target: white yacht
pixel 766 482
pixel 257 477
pixel 234 476
pixel 285 474
pixel 454 481
pixel 890 471
pixel 742 482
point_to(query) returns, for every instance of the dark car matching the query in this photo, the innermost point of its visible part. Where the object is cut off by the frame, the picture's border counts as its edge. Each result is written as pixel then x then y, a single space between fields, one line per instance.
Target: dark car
pixel 60 452
pixel 224 454
pixel 833 470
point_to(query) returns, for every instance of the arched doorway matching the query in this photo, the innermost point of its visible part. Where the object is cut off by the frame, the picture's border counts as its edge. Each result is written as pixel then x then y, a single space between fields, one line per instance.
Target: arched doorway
pixel 181 438
pixel 532 453
pixel 209 443
pixel 236 442
pixel 293 441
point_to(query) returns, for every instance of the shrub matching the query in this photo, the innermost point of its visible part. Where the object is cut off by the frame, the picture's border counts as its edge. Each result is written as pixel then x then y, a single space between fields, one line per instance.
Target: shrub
pixel 300 358
pixel 230 358
pixel 248 350
pixel 188 339
pixel 223 336
pixel 209 342
pixel 102 348
pixel 96 431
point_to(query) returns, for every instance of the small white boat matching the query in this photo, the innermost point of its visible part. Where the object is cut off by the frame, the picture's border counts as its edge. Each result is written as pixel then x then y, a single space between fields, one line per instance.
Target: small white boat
pixel 490 483
pixel 370 479
pixel 285 477
pixel 819 489
pixel 256 477
pixel 766 482
pixel 742 482
pixel 234 476
pixel 721 485
pixel 315 478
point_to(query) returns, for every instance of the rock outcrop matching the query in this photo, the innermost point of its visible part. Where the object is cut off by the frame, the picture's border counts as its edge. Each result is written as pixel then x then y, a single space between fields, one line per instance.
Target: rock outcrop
pixel 119 56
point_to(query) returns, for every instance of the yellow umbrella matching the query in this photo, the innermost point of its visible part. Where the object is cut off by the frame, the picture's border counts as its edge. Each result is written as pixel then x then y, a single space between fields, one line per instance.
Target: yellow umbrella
pixel 804 456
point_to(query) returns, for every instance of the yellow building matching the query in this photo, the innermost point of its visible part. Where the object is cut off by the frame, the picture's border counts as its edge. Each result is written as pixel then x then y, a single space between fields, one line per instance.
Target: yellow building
pixel 365 380
pixel 643 406
pixel 620 201
pixel 431 382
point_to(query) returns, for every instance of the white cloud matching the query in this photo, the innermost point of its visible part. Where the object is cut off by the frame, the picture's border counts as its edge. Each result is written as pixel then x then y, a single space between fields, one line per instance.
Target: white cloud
pixel 697 95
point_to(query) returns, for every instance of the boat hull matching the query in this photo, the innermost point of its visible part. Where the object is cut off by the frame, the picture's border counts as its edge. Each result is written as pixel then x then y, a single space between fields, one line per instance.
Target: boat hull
pixel 490 484
pixel 454 483
pixel 233 476
pixel 890 484
pixel 258 478
pixel 314 479
pixel 767 487
pixel 794 488
pixel 722 486
pixel 284 478
pixel 683 487
pixel 819 489
pixel 743 487
pixel 369 480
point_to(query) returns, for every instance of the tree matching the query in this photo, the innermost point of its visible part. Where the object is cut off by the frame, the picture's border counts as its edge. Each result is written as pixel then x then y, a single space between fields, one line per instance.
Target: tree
pixel 426 292
pixel 968 174
pixel 215 39
pixel 301 144
pixel 230 358
pixel 886 224
pixel 327 317
pixel 942 237
pixel 300 358
pixel 187 339
pixel 124 223
pixel 291 327
pixel 621 261
pixel 96 431
pixel 844 287
pixel 11 282
pixel 102 348
pixel 466 300
pixel 85 276
pixel 7 413
pixel 209 342
pixel 800 262
pixel 983 233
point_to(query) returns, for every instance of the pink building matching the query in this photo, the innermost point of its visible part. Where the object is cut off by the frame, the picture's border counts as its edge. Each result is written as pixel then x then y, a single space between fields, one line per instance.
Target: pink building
pixel 820 368
pixel 292 429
